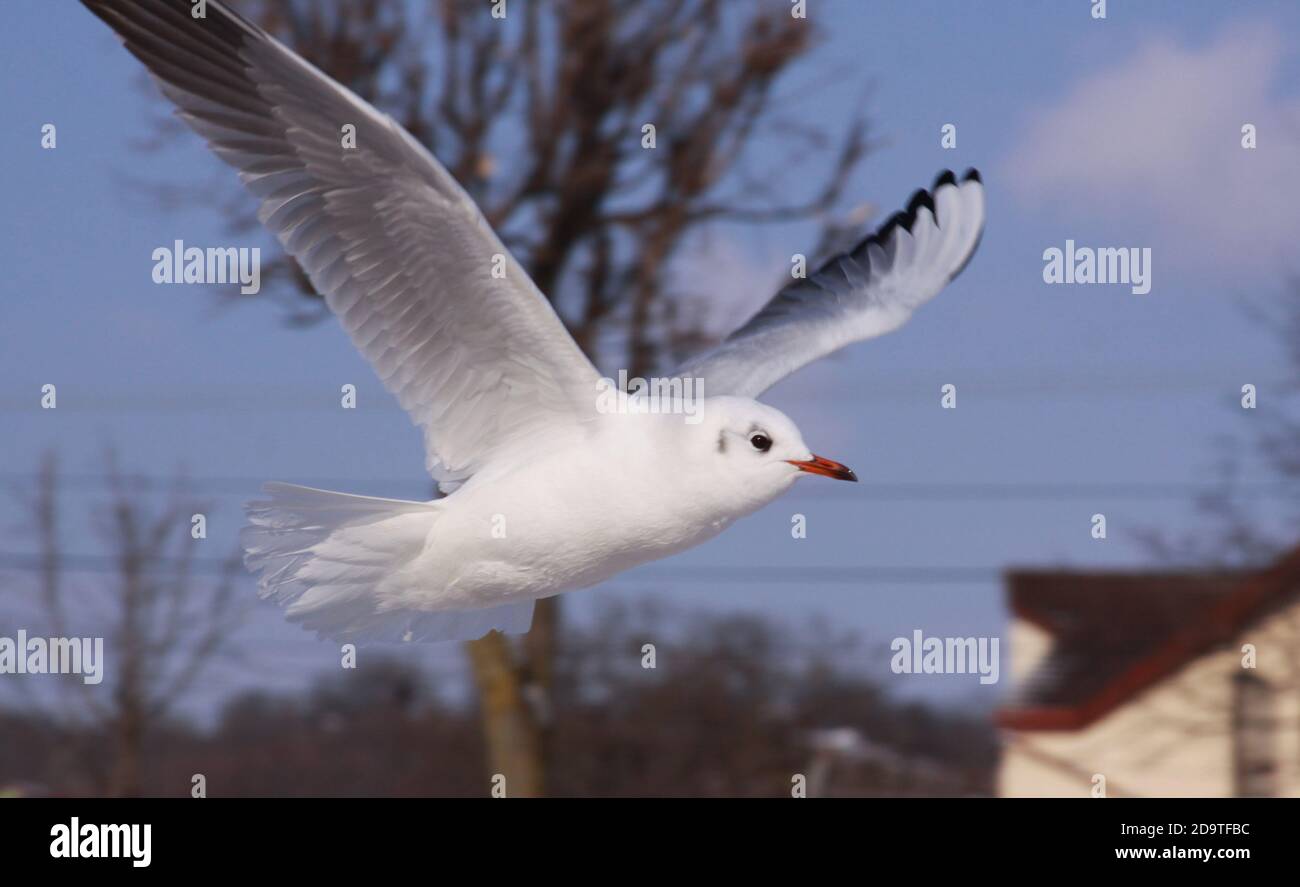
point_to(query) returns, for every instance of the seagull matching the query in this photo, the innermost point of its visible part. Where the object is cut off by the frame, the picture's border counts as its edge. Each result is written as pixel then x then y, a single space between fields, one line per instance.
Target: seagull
pixel 542 491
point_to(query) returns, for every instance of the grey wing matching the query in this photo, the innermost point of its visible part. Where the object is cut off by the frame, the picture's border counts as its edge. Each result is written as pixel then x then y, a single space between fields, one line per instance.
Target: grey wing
pixel 427 292
pixel 867 292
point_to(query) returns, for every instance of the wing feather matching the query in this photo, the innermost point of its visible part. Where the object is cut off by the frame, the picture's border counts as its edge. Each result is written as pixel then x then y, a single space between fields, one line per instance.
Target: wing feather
pixel 399 251
pixel 867 292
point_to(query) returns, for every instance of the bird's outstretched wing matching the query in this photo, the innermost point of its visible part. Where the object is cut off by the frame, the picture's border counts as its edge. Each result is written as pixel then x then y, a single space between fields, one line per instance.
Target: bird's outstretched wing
pixel 428 293
pixel 867 292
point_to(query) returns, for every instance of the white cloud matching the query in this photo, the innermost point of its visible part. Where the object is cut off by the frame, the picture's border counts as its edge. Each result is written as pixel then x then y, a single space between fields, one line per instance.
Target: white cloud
pixel 1157 138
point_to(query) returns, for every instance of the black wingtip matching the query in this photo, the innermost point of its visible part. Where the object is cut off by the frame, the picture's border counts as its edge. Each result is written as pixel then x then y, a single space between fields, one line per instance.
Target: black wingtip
pixel 900 219
pixel 921 198
pixel 906 218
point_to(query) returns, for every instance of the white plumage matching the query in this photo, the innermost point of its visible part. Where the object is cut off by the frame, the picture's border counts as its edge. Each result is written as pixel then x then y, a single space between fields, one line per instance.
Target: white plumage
pixel 547 493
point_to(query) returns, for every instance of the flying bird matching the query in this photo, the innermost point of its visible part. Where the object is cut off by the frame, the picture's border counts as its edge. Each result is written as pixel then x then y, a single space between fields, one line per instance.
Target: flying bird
pixel 543 492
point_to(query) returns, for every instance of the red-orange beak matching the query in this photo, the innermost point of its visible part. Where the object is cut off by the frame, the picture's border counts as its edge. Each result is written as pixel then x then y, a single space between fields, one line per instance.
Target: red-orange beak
pixel 818 465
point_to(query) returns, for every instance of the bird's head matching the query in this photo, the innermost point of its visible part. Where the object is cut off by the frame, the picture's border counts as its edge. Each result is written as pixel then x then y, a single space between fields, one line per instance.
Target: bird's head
pixel 759 447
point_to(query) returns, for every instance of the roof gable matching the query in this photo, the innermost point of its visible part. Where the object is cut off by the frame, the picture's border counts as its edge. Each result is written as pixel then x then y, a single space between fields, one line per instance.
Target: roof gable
pixel 1116 634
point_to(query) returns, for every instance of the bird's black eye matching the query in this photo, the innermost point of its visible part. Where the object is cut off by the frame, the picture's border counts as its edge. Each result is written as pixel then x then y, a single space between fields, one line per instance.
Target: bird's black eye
pixel 761 442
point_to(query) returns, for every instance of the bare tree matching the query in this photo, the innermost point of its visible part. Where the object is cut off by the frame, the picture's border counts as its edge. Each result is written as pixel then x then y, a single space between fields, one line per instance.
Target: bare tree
pixel 598 137
pixel 733 708
pixel 1236 537
pixel 162 626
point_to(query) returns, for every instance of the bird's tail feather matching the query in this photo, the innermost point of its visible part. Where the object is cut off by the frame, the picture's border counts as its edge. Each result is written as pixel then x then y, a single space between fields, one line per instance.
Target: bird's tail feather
pixel 338 565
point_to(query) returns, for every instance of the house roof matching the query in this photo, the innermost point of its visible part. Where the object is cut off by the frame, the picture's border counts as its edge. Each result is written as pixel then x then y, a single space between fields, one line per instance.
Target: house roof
pixel 1116 634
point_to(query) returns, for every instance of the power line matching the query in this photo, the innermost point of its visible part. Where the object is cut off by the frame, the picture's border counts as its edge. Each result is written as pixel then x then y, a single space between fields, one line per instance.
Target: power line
pixel 780 574
pixel 1024 383
pixel 872 491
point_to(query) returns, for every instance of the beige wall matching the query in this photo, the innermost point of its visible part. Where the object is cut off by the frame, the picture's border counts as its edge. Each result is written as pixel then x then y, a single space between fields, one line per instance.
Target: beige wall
pixel 1172 740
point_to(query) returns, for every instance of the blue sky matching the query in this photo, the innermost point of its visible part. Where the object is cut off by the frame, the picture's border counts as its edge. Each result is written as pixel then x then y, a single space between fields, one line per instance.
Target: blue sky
pixel 1123 132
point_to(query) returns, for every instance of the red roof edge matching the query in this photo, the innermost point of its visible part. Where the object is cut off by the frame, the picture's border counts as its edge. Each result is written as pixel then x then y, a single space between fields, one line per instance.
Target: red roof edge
pixel 1218 624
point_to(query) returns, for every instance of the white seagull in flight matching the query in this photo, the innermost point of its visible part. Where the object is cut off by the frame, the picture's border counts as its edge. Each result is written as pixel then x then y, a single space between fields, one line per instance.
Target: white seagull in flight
pixel 545 492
